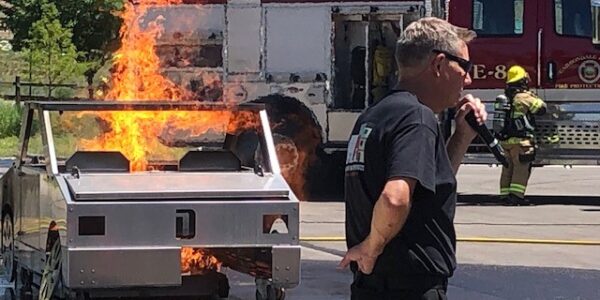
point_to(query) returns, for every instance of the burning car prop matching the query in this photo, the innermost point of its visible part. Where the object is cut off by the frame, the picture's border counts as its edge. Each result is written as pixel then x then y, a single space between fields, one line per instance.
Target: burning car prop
pixel 156 211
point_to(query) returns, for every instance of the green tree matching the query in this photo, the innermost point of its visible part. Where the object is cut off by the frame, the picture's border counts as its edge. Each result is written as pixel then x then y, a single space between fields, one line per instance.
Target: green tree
pixel 52 52
pixel 19 16
pixel 95 26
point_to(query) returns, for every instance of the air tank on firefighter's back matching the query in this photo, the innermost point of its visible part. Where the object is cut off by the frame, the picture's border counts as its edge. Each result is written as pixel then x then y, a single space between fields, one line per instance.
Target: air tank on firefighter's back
pixel 501 111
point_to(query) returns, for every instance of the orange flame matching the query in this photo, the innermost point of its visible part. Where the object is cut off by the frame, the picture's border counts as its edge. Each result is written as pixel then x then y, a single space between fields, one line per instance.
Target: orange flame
pixel 197 261
pixel 136 73
pixel 136 76
pixel 135 134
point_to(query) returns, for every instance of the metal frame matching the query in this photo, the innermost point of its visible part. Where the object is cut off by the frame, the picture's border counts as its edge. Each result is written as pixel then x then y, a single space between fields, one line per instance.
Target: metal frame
pixel 90 105
pixel 229 215
pixel 25 133
pixel 269 142
pixel 48 142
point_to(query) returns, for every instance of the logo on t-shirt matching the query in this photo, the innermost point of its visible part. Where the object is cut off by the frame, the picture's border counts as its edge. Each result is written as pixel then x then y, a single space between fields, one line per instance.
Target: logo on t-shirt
pixel 355 161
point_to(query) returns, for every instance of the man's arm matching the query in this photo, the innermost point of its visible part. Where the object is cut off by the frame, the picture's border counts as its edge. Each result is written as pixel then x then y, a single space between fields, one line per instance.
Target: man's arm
pixel 463 135
pixel 390 212
pixel 389 215
pixel 457 147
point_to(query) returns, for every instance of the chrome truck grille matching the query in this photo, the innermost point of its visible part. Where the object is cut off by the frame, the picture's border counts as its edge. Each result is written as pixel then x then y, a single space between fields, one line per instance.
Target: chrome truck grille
pixel 568 134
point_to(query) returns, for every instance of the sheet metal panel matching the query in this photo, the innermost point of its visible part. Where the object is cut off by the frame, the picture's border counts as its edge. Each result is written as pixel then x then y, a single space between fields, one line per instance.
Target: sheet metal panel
pixel 286 265
pixel 173 185
pixel 341 124
pixel 111 268
pixel 217 223
pixel 298 40
pixel 347 2
pixel 193 23
pixel 244 39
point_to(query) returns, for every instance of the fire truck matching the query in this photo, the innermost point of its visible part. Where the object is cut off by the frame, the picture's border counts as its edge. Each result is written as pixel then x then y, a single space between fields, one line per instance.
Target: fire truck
pixel 316 65
pixel 557 42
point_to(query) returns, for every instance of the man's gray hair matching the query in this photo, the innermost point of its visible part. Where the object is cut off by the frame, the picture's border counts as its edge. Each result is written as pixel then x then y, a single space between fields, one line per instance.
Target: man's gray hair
pixel 421 37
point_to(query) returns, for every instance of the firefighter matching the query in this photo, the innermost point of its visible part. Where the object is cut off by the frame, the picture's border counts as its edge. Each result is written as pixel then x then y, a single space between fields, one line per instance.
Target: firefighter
pixel 382 68
pixel 383 64
pixel 517 137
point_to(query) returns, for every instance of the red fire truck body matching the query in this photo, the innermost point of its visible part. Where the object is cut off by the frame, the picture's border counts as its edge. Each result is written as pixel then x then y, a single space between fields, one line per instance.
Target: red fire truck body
pixel 556 42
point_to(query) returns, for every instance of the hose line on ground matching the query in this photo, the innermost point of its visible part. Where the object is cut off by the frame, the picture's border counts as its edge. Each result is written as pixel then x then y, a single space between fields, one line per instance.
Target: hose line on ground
pixel 476 240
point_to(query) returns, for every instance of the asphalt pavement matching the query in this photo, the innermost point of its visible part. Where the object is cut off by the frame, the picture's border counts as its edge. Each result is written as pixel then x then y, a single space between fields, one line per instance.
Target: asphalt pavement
pixel 550 250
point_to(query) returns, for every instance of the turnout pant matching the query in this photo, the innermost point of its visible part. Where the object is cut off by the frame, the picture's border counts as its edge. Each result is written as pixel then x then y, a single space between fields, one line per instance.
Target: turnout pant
pixel 513 180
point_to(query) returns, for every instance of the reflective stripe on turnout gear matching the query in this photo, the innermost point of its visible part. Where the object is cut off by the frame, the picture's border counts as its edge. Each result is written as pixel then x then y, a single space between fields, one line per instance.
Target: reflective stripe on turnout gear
pixel 515 187
pixel 536 105
pixel 526 141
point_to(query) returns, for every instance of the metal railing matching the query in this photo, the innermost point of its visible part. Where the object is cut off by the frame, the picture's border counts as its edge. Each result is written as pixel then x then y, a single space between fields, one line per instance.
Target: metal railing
pixel 19 96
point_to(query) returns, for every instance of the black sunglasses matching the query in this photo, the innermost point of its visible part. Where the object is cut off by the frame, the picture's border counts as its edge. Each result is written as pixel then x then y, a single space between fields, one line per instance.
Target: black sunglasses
pixel 466 65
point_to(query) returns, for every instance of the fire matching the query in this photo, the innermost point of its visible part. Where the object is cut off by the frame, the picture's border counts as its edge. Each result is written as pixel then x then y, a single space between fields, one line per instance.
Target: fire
pixel 136 133
pixel 136 76
pixel 197 261
pixel 136 73
pixel 296 156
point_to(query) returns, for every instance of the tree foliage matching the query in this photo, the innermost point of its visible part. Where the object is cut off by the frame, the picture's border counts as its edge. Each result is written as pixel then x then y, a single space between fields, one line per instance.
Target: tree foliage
pixel 19 17
pixel 94 25
pixel 51 50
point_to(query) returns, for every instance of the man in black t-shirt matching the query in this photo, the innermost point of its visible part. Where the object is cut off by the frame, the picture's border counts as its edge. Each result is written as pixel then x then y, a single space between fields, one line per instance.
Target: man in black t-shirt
pixel 400 188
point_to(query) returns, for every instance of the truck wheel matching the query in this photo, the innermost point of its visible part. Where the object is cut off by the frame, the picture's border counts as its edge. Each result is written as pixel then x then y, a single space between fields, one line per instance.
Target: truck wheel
pixel 51 274
pixel 296 135
pixel 287 154
pixel 8 246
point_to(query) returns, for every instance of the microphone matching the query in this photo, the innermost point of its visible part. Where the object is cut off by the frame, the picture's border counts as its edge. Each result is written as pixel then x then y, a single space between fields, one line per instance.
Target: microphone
pixel 488 138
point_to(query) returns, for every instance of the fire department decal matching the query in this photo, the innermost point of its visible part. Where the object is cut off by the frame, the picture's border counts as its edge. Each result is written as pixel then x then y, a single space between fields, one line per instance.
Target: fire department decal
pixel 589 71
pixel 355 161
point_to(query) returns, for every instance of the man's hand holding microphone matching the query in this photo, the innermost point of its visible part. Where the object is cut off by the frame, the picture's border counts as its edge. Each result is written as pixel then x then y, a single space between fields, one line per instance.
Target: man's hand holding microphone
pixel 470 121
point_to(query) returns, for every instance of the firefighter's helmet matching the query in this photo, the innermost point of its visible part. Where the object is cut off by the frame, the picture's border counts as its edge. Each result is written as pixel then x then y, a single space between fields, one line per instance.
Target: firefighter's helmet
pixel 516 73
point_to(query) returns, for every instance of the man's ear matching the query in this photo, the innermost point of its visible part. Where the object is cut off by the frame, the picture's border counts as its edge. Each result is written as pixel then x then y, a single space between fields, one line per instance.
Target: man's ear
pixel 436 64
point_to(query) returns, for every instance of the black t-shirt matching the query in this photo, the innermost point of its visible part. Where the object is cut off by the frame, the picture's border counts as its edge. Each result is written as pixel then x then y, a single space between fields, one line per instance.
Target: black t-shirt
pixel 400 137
